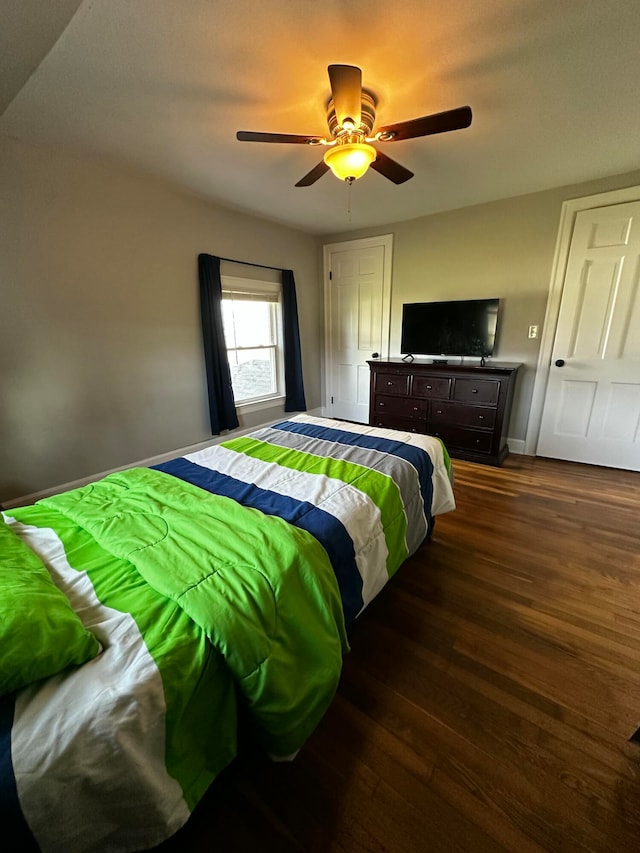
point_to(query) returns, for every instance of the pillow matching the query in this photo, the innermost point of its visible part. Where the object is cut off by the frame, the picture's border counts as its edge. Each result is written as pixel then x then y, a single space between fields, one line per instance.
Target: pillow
pixel 40 634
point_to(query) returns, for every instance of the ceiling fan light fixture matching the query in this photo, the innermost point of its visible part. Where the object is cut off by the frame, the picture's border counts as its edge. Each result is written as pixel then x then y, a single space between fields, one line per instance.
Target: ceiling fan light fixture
pixel 351 116
pixel 350 160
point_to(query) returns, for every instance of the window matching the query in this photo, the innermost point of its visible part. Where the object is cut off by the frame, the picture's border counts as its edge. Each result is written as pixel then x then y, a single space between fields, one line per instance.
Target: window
pixel 251 314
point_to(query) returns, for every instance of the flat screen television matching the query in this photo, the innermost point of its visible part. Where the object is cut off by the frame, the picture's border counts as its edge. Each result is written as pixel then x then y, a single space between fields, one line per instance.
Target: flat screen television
pixel 465 327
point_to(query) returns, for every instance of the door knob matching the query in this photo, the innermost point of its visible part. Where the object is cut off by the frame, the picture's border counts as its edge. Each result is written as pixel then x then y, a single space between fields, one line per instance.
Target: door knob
pixel 560 362
pixel 375 355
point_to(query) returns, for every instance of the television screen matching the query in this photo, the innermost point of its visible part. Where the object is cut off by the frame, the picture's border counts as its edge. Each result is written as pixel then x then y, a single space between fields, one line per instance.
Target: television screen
pixel 463 327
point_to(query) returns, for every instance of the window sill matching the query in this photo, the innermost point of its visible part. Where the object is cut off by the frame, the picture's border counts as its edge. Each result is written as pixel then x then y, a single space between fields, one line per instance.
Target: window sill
pixel 259 405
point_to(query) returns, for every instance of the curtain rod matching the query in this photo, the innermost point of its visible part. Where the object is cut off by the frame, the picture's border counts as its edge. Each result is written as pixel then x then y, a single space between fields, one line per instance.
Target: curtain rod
pixel 249 264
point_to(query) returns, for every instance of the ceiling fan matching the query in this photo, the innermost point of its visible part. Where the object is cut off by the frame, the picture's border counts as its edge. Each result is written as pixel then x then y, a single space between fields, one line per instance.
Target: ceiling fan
pixel 351 114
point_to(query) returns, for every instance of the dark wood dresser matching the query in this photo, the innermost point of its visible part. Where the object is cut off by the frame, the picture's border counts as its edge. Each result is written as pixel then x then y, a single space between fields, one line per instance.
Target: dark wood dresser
pixel 465 405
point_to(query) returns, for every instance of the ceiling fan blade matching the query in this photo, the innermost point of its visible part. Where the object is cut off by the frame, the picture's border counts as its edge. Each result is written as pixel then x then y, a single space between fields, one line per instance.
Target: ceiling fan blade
pixel 390 169
pixel 298 139
pixel 427 125
pixel 346 89
pixel 312 176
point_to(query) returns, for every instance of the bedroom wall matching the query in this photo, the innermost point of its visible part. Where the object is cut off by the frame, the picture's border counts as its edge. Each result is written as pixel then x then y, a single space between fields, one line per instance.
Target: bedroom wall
pixel 504 248
pixel 100 340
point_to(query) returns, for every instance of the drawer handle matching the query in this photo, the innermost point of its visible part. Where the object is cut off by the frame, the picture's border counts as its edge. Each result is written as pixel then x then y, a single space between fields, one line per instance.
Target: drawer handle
pixel 381 405
pixel 477 441
pixel 428 387
pixel 474 390
pixel 438 411
pixel 415 409
pixel 390 382
pixel 480 417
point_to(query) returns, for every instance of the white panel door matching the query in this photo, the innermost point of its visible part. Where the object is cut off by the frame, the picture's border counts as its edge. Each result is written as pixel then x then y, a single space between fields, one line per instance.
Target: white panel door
pixel 592 404
pixel 358 326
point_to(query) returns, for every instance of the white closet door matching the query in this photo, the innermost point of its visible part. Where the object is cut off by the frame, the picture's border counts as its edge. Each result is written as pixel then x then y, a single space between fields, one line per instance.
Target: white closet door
pixel 592 404
pixel 358 323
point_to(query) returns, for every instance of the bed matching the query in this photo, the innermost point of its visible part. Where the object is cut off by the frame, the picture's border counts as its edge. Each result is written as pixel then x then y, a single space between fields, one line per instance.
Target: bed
pixel 144 613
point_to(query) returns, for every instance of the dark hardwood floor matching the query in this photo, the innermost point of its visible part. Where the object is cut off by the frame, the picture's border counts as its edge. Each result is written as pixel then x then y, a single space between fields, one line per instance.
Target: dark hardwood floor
pixel 489 695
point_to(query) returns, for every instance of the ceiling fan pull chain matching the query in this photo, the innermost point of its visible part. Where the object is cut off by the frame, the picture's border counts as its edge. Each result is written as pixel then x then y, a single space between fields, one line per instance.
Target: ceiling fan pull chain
pixel 349 183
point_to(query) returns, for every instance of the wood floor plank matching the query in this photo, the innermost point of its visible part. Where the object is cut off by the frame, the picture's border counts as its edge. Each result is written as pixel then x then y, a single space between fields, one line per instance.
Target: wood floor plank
pixel 501 733
pixel 490 693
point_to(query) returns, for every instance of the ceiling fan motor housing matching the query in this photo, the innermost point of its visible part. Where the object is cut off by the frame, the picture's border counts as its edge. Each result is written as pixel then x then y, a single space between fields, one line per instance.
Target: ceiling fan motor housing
pixel 367 117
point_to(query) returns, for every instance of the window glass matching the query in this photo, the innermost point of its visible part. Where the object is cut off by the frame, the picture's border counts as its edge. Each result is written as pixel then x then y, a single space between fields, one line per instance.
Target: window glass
pixel 252 328
pixel 247 324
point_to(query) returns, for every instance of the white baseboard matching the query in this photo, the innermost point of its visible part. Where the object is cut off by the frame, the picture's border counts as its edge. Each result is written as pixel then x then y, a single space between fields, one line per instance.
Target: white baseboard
pixel 142 463
pixel 516 445
pixel 26 500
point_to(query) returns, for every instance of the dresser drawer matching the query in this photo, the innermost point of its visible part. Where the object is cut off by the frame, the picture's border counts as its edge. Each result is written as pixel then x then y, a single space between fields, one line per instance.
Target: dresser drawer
pixel 476 390
pixel 391 422
pixel 431 386
pixel 444 412
pixel 405 407
pixel 391 383
pixel 464 439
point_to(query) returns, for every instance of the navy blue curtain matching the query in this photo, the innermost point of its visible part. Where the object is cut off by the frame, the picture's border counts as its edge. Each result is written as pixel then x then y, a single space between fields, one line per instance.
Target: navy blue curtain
pixel 222 410
pixel 294 386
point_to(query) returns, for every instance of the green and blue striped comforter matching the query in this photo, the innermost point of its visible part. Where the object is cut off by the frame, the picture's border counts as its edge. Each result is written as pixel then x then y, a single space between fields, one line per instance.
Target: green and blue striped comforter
pixel 232 572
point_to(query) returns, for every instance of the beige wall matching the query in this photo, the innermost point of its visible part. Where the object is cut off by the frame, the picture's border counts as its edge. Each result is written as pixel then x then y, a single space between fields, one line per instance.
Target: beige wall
pixel 100 344
pixel 505 249
pixel 100 341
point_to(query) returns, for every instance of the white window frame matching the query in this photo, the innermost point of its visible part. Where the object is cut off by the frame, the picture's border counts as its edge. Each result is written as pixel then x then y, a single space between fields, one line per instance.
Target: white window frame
pixel 246 288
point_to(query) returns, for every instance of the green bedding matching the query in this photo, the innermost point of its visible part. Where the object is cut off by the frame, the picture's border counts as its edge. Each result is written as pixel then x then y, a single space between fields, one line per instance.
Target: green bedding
pixel 40 634
pixel 268 602
pixel 220 579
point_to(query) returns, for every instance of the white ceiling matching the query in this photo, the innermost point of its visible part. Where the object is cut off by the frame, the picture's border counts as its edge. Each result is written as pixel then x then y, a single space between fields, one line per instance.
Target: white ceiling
pixel 164 85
